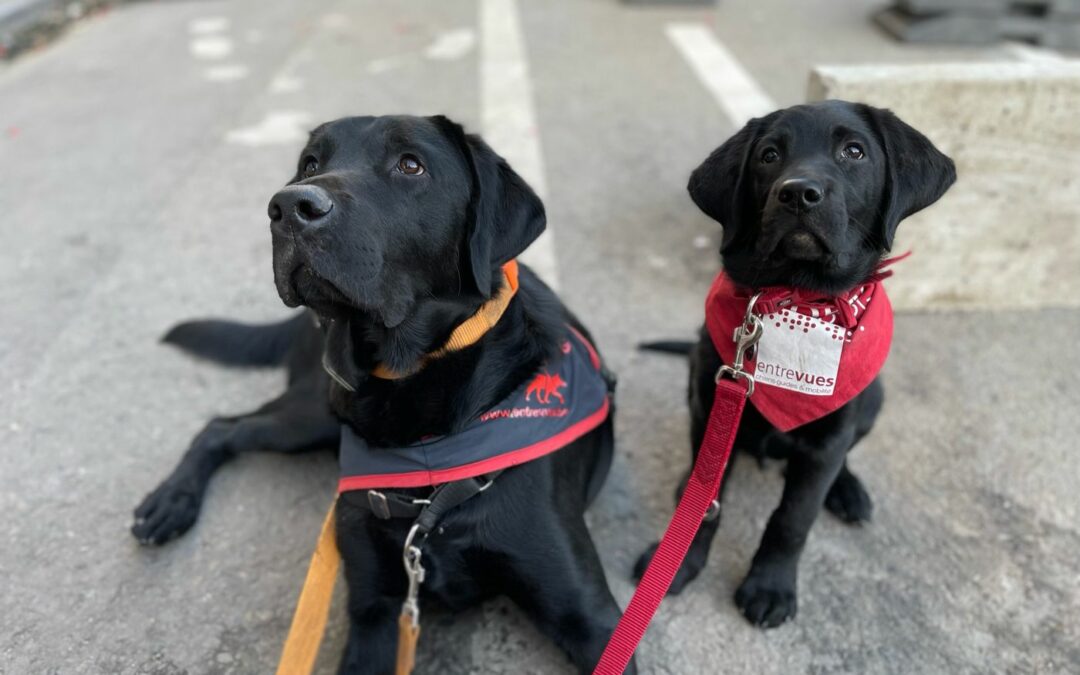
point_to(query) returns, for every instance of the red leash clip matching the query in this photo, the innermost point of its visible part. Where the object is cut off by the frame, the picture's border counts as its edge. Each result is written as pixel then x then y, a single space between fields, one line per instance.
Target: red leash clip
pixel 733 386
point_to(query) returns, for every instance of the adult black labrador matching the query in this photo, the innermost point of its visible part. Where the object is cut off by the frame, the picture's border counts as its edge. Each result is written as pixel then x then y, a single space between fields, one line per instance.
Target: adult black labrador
pixel 809 197
pixel 393 232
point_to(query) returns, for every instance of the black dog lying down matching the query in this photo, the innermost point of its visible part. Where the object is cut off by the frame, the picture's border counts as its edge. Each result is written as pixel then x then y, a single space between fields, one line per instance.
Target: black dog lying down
pixel 810 198
pixel 393 232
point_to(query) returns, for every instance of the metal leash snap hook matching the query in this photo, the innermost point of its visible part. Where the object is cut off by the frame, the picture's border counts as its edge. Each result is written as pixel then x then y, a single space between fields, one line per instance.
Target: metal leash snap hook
pixel 746 337
pixel 414 570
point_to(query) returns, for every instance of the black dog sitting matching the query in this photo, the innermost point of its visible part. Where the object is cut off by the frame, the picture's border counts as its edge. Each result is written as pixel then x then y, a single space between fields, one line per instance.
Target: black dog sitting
pixel 394 232
pixel 809 198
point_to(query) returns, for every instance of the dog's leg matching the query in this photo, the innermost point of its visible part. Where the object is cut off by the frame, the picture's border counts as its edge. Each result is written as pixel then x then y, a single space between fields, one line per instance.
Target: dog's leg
pixel 767 597
pixel 376 592
pixel 848 500
pixel 698 554
pixel 559 582
pixel 296 421
pixel 702 391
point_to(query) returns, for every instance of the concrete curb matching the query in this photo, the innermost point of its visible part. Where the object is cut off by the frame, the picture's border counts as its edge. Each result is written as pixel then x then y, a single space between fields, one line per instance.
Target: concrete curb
pixel 1008 234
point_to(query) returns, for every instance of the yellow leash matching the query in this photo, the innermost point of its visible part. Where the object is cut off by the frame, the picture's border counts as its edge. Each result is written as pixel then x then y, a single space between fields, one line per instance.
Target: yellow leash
pixel 309 622
pixel 312 609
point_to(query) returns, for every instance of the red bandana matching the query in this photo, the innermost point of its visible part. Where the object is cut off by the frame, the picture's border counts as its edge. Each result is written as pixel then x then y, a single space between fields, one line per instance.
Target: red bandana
pixel 816 353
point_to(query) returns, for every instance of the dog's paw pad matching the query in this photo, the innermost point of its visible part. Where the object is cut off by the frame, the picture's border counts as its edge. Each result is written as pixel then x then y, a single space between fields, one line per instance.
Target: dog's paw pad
pixel 687 572
pixel 766 602
pixel 166 513
pixel 848 500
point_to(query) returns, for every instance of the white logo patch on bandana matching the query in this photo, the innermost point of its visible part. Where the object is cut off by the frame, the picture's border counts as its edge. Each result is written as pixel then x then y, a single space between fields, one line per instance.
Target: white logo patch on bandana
pixel 800 353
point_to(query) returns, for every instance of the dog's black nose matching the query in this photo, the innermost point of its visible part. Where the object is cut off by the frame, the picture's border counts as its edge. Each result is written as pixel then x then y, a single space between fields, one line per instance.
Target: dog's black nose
pixel 803 193
pixel 300 205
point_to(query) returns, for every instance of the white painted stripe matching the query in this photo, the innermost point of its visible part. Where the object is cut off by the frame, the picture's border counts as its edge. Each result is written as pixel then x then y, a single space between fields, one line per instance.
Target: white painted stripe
pixel 508 115
pixel 733 88
pixel 211 47
pixel 282 127
pixel 286 80
pixel 226 73
pixel 208 24
pixel 451 45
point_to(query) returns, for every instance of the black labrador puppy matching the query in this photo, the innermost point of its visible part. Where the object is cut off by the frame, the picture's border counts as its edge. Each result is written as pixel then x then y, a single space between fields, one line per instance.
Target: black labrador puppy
pixel 809 197
pixel 393 232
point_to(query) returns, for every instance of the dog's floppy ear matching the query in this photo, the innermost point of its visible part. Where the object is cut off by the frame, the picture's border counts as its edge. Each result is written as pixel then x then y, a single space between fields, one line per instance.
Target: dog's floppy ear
pixel 916 173
pixel 505 215
pixel 721 186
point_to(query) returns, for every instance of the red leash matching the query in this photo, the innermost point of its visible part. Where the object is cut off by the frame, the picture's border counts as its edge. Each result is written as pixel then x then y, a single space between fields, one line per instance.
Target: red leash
pixel 701 489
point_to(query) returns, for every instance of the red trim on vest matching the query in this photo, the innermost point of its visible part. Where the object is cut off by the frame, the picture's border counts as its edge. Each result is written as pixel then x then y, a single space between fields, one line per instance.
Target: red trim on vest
pixel 502 461
pixel 593 356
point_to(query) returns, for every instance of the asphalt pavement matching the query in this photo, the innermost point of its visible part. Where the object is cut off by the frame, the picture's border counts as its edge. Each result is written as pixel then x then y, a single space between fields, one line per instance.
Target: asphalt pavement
pixel 137 154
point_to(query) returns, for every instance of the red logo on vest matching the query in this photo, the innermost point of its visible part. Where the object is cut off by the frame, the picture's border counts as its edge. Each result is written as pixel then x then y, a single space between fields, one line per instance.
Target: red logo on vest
pixel 545 386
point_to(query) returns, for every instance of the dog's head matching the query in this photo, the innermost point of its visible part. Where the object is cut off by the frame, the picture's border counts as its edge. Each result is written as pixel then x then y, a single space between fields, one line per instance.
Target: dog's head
pixel 385 213
pixel 810 196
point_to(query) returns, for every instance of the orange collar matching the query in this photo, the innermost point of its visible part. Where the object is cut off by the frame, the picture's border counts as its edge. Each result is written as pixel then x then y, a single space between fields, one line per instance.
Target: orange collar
pixel 471 330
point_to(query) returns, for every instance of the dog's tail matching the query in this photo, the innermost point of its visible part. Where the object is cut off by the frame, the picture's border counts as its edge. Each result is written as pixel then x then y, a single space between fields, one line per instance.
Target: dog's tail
pixel 237 344
pixel 680 347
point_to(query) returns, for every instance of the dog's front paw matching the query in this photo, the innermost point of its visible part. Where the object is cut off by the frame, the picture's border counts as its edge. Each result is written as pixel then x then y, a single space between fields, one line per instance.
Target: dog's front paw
pixel 848 499
pixel 688 571
pixel 167 512
pixel 767 598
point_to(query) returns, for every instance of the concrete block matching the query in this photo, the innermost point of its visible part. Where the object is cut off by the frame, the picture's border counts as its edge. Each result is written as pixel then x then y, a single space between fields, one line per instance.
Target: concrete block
pixel 1008 233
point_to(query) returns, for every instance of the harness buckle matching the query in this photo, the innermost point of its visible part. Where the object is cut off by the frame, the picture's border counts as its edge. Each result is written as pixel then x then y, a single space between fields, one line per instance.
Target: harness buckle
pixel 380 506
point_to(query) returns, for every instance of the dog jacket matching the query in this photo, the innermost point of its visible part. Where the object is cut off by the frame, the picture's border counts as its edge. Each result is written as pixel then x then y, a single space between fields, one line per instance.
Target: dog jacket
pixel 565 400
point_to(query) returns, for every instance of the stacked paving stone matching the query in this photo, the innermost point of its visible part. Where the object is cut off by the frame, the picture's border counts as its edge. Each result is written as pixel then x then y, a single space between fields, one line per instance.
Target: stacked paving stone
pixel 1049 23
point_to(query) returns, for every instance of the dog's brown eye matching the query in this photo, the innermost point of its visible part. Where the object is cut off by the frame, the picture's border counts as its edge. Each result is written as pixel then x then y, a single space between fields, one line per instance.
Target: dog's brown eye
pixel 310 167
pixel 410 166
pixel 769 155
pixel 853 151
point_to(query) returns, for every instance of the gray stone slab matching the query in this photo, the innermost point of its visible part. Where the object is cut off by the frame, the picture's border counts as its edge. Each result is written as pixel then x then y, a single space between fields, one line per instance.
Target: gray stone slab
pixel 1007 234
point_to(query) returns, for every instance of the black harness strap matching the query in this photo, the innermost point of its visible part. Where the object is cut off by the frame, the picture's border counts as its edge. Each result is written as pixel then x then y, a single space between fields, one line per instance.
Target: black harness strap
pixel 428 512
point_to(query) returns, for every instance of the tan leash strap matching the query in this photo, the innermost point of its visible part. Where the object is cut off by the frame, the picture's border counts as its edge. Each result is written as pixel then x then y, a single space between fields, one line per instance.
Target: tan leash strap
pixel 309 621
pixel 408 636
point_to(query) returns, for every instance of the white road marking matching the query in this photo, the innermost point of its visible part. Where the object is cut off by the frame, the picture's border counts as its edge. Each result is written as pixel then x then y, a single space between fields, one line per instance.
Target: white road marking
pixel 229 72
pixel 286 80
pixel 286 126
pixel 208 24
pixel 285 84
pixel 508 114
pixel 451 45
pixel 733 88
pixel 211 47
pixel 377 66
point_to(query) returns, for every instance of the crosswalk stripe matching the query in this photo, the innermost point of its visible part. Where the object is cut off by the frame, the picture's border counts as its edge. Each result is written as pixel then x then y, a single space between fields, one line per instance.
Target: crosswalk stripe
pixel 731 85
pixel 509 116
